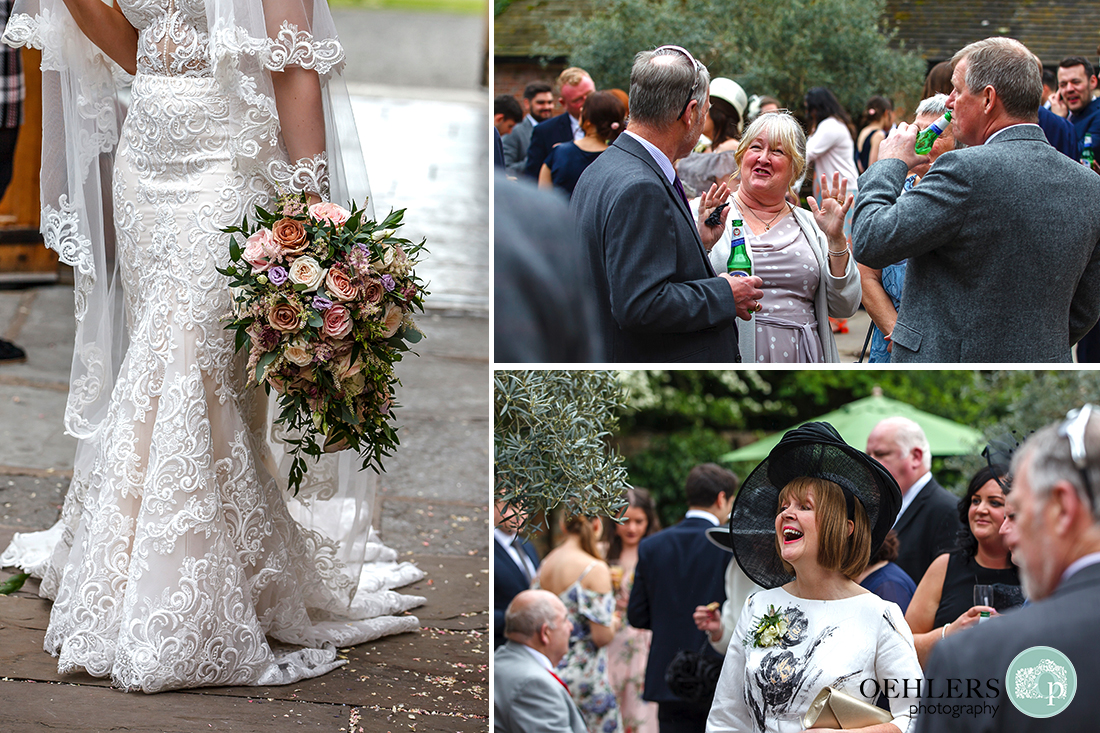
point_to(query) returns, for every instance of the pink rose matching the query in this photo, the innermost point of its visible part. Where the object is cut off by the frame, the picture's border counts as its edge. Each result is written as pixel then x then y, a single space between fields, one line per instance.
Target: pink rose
pixel 332 213
pixel 285 316
pixel 337 322
pixel 392 319
pixel 339 285
pixel 260 251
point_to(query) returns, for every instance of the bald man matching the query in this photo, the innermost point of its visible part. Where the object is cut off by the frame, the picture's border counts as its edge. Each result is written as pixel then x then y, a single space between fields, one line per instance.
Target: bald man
pixel 527 696
pixel 928 524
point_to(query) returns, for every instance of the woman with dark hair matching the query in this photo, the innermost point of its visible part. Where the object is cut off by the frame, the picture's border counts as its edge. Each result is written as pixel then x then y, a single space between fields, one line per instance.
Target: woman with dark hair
pixel 944 601
pixel 713 161
pixel 804 525
pixel 603 117
pixel 885 578
pixel 830 150
pixel 574 572
pixel 879 116
pixel 628 652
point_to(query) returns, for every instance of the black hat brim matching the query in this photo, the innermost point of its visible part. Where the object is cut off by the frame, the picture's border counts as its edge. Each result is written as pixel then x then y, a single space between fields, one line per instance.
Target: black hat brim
pixel 812 450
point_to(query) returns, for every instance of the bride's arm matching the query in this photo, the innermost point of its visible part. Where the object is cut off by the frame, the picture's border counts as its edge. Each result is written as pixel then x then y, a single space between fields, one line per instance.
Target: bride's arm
pixel 301 115
pixel 107 28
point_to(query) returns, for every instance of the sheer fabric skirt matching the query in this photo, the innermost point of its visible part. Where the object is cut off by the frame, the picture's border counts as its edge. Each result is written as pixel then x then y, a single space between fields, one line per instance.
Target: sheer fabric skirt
pixel 176 554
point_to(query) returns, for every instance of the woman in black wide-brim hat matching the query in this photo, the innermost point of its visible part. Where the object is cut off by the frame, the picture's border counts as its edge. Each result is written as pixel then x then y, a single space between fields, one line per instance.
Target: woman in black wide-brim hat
pixel 805 524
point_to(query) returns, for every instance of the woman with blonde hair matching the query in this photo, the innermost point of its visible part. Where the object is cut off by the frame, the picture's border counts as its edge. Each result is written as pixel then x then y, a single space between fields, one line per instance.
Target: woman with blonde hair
pixel 802 256
pixel 574 572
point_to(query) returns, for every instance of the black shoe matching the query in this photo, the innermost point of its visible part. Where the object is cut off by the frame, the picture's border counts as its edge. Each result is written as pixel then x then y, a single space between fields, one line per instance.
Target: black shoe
pixel 10 353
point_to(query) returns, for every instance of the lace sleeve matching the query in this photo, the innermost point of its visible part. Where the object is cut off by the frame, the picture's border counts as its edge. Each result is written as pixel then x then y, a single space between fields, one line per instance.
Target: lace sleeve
pixel 309 175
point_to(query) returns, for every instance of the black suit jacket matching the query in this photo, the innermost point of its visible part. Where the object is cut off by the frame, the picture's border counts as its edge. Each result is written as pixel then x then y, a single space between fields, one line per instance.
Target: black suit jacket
pixel 1066 621
pixel 543 138
pixel 508 582
pixel 678 569
pixel 657 297
pixel 929 528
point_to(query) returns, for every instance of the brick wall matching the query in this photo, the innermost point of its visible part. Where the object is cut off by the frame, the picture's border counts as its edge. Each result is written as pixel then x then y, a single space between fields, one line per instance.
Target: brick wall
pixel 511 77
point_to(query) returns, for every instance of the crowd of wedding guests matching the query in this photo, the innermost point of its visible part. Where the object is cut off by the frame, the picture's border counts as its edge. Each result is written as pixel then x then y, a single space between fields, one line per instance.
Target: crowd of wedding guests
pixel 666 182
pixel 829 570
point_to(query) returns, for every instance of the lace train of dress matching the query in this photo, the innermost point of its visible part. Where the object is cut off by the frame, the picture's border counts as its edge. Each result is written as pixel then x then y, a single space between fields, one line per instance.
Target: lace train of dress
pixel 177 554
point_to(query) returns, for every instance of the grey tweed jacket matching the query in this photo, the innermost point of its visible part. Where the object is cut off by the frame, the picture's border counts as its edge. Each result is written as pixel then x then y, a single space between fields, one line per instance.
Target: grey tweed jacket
pixel 1002 241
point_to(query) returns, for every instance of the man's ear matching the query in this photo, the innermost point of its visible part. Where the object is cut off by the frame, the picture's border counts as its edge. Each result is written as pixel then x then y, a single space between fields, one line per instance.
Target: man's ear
pixel 989 99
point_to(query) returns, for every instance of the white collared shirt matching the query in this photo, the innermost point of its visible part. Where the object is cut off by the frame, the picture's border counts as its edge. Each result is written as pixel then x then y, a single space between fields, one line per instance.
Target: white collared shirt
pixel 519 558
pixel 531 117
pixel 541 658
pixel 998 132
pixel 1080 564
pixel 911 494
pixel 578 131
pixel 700 514
pixel 661 158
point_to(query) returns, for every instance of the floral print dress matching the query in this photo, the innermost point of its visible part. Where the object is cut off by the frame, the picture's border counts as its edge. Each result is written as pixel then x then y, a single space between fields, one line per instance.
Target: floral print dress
pixel 584 666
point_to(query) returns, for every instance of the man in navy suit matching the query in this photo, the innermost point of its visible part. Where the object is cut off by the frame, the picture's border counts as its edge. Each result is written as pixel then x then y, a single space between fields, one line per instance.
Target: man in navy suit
pixel 928 523
pixel 515 564
pixel 575 85
pixel 679 569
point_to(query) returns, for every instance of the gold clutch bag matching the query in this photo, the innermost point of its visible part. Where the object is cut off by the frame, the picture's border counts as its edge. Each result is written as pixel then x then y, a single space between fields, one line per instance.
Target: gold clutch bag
pixel 835 709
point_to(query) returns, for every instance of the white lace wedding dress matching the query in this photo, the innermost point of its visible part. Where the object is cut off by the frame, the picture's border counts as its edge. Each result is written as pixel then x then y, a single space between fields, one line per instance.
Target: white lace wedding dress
pixel 177 554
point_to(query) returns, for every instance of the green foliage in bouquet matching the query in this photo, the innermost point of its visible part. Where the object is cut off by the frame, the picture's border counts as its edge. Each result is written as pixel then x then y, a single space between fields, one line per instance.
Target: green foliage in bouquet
pixel 323 297
pixel 551 441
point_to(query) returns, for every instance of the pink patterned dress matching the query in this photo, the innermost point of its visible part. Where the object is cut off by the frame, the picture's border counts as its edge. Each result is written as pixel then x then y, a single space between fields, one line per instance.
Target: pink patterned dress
pixel 626 661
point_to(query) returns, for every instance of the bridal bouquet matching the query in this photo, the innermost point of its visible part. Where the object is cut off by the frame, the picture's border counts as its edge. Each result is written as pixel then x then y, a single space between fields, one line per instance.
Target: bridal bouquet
pixel 323 297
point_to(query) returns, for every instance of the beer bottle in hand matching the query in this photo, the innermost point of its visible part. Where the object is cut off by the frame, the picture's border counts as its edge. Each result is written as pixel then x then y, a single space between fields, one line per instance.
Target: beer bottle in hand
pixel 928 135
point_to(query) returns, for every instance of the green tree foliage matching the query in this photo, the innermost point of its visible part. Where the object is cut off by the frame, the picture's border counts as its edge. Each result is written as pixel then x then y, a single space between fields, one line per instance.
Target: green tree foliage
pixel 664 466
pixel 550 441
pixel 778 48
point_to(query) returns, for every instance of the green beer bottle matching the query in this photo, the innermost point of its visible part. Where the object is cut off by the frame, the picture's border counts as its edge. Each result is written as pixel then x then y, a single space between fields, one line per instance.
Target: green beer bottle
pixel 1087 154
pixel 739 262
pixel 928 135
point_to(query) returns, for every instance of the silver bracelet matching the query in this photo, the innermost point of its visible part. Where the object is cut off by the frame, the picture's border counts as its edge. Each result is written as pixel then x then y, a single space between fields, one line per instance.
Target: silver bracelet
pixel 841 253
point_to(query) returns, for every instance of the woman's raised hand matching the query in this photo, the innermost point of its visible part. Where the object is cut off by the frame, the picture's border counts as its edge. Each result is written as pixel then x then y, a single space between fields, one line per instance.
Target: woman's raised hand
pixel 708 202
pixel 835 203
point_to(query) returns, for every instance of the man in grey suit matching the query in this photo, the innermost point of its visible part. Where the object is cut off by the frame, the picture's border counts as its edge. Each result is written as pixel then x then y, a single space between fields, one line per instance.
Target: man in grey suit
pixel 538 103
pixel 527 696
pixel 1055 541
pixel 657 296
pixel 1002 237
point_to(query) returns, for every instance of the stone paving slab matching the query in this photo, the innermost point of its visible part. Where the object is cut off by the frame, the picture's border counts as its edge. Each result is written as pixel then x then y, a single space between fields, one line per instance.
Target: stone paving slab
pixel 436 679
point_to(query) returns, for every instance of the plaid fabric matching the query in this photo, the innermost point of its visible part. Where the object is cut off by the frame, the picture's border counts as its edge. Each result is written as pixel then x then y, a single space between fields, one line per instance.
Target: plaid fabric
pixel 11 76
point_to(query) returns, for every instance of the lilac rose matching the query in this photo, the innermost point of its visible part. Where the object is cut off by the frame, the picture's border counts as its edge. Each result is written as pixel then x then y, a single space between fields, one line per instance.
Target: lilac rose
pixel 277 275
pixel 388 283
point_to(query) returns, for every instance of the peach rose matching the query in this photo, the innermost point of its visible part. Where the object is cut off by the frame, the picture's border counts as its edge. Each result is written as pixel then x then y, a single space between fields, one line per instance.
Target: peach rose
pixel 392 319
pixel 373 290
pixel 298 352
pixel 260 251
pixel 337 322
pixel 285 316
pixel 345 368
pixel 339 285
pixel 290 235
pixel 332 213
pixel 307 271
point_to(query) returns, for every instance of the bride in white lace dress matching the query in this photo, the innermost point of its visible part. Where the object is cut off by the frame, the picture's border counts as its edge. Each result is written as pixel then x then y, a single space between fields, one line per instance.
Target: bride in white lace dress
pixel 178 553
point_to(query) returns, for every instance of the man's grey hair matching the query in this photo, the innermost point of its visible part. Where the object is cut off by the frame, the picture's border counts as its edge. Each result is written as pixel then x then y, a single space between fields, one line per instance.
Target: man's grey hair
pixel 1051 461
pixel 527 620
pixel 660 82
pixel 909 435
pixel 1006 65
pixel 934 105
